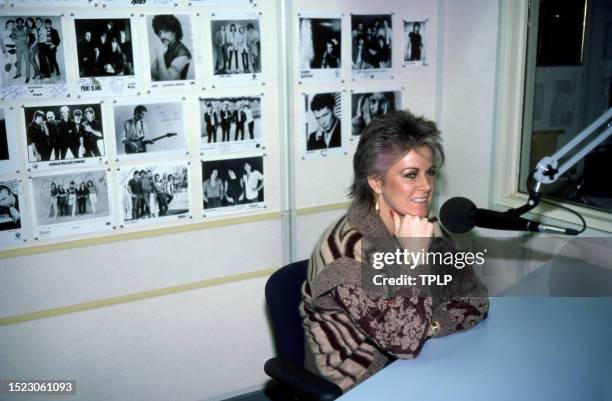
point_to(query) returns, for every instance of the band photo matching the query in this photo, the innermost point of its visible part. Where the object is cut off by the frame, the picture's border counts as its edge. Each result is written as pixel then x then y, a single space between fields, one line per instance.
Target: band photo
pixel 32 50
pixel 10 212
pixel 138 3
pixel 369 105
pixel 5 155
pixel 149 128
pixel 371 42
pixel 323 121
pixel 106 56
pixel 152 192
pixel 77 201
pixel 170 47
pixel 230 121
pixel 232 184
pixel 50 3
pixel 414 42
pixel 320 48
pixel 64 134
pixel 236 46
pixel 104 47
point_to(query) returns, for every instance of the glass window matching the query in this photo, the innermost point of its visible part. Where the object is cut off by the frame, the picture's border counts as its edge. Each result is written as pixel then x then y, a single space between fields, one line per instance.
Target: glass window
pixel 568 85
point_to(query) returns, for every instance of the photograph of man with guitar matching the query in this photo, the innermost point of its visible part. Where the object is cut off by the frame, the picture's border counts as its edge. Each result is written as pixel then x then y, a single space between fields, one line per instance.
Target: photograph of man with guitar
pixel 135 134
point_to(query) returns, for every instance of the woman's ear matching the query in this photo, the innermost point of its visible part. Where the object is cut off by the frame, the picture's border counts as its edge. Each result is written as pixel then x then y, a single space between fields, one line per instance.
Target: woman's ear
pixel 376 184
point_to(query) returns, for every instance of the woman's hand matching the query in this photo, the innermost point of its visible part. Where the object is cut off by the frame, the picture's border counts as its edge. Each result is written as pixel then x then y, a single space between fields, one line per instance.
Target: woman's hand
pixel 413 232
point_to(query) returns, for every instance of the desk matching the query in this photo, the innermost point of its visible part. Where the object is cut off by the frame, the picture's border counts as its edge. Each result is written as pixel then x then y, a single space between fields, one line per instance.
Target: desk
pixel 540 349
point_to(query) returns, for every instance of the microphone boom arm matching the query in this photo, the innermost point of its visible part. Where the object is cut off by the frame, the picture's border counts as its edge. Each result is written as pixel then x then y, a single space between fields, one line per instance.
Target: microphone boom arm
pixel 548 170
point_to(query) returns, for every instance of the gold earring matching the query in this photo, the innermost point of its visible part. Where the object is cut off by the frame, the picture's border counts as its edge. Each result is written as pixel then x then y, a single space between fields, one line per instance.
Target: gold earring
pixel 376 205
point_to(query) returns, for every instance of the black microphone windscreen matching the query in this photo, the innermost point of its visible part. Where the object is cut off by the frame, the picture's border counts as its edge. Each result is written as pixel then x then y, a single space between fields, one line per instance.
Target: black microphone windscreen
pixel 457 215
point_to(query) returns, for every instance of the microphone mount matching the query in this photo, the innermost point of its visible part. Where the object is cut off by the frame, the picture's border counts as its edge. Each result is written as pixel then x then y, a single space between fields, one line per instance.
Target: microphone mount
pixel 548 169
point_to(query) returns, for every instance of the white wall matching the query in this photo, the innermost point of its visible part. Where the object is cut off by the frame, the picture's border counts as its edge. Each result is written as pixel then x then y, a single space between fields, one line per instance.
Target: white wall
pixel 212 342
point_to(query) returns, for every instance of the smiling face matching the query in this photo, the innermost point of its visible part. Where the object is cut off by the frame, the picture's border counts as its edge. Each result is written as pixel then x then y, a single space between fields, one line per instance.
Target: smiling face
pixel 408 185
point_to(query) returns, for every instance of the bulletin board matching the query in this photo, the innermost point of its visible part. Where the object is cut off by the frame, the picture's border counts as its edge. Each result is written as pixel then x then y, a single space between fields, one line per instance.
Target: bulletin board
pixel 370 58
pixel 137 116
pixel 165 114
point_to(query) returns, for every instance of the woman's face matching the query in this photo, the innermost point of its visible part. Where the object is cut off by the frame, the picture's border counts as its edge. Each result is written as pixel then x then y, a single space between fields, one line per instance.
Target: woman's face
pixel 408 185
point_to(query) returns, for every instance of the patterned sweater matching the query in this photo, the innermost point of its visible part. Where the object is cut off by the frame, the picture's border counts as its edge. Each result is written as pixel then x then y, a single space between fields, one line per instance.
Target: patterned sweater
pixel 353 329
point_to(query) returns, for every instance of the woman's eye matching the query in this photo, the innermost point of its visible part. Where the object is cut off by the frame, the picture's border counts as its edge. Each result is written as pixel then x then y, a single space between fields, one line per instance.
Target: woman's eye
pixel 431 172
pixel 410 175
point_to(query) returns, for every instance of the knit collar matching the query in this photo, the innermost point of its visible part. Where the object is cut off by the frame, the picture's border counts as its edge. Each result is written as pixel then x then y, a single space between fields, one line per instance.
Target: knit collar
pixel 366 221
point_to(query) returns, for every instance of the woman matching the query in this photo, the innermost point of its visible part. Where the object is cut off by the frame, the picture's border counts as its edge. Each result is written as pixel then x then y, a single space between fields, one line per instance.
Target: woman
pixel 62 201
pixel 53 201
pixel 33 46
pixel 72 198
pixel 233 190
pixel 353 326
pixel 212 190
pixel 82 193
pixel 93 196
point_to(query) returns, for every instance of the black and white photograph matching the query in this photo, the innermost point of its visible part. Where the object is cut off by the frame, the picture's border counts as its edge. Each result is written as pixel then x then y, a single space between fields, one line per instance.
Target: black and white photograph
pixel 106 56
pixel 171 49
pixel 11 214
pixel 236 48
pixel 230 123
pixel 143 129
pixel 323 123
pixel 9 157
pixel 33 63
pixel 64 135
pixel 71 203
pixel 153 193
pixel 368 105
pixel 371 45
pixel 414 42
pixel 138 3
pixel 51 3
pixel 231 185
pixel 320 55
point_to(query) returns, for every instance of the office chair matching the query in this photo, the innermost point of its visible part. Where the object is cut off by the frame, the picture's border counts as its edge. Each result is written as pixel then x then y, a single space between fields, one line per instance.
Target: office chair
pixel 283 296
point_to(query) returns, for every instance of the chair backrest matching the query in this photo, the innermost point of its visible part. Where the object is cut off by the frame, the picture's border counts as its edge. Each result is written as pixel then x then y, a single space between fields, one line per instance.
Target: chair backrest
pixel 283 296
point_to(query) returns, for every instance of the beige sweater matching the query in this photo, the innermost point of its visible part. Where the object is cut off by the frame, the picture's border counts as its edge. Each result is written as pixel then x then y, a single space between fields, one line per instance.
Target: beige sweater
pixel 354 328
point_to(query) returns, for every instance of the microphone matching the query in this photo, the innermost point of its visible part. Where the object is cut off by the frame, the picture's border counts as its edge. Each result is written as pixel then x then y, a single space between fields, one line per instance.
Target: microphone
pixel 459 215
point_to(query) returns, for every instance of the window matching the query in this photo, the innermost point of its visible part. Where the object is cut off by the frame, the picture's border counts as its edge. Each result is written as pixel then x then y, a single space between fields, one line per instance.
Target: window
pixel 555 70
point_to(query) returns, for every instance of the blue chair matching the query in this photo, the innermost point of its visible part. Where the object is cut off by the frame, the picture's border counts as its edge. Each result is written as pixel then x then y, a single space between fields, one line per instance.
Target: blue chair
pixel 283 296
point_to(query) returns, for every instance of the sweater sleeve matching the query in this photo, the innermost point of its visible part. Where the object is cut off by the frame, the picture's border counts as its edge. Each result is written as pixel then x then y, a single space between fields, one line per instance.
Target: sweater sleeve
pixel 397 325
pixel 466 305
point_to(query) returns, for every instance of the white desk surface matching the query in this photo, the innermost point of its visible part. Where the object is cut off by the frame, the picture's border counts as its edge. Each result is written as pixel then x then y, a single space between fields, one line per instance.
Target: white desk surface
pixel 540 349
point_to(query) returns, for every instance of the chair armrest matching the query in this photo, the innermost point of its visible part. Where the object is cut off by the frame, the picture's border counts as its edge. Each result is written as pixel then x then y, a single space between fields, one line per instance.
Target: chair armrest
pixel 302 381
